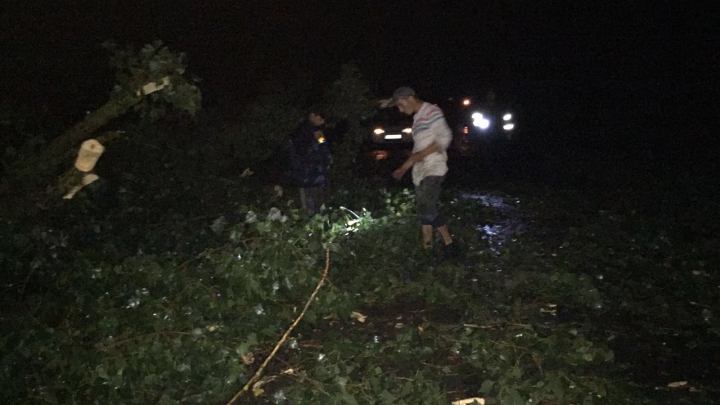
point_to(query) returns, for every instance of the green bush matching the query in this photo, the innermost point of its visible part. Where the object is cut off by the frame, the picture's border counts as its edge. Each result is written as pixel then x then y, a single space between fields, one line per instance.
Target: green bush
pixel 348 99
pixel 156 328
pixel 262 129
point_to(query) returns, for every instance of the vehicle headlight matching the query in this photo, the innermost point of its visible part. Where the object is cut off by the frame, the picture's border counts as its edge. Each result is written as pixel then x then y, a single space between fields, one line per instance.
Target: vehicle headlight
pixel 476 116
pixel 379 131
pixel 508 127
pixel 407 130
pixel 507 117
pixel 482 123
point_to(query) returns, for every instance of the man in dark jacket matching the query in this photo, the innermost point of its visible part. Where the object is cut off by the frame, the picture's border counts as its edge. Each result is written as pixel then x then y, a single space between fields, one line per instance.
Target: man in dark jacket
pixel 309 162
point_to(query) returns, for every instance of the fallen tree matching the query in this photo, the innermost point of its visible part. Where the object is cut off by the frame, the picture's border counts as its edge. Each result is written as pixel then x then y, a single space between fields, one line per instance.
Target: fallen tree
pixel 148 81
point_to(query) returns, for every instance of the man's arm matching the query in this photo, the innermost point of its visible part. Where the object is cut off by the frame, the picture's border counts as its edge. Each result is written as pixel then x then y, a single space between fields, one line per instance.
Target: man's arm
pixel 443 138
pixel 420 155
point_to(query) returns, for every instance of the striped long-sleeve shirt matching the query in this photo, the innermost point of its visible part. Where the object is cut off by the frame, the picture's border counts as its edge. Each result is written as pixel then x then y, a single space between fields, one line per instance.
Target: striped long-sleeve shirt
pixel 429 126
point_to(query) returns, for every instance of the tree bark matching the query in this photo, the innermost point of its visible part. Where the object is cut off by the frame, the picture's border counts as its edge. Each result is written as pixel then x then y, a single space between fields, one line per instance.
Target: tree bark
pixel 67 143
pixel 64 147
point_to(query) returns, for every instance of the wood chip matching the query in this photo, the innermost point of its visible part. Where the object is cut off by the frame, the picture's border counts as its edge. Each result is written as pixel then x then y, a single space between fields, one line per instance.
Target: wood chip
pixel 358 316
pixel 470 401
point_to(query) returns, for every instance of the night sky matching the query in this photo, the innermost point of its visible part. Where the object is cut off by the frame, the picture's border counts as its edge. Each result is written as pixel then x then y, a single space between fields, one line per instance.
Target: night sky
pixel 592 64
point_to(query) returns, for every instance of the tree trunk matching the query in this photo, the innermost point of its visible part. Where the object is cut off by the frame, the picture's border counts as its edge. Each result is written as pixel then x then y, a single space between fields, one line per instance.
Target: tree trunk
pixel 68 142
pixel 65 146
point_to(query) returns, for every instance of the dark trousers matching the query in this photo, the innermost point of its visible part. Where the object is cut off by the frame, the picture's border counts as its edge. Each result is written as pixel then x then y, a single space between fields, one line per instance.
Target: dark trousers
pixel 312 199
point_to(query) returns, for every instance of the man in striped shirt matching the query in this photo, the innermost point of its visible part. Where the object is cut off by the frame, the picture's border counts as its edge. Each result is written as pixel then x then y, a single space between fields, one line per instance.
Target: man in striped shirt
pixel 431 137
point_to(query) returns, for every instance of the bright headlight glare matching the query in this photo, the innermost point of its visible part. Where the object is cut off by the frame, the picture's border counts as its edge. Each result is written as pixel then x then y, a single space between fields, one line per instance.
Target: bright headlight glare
pixel 476 116
pixel 508 127
pixel 482 123
pixel 379 131
pixel 407 130
pixel 507 117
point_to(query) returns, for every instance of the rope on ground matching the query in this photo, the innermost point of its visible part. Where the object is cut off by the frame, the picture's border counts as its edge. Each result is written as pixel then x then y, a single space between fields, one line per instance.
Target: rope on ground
pixel 260 370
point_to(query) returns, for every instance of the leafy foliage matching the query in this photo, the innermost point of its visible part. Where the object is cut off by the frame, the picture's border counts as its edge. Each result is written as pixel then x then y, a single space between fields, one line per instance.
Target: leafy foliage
pixel 173 287
pixel 348 99
pixel 154 63
pixel 144 78
pixel 349 96
pixel 155 328
pixel 262 129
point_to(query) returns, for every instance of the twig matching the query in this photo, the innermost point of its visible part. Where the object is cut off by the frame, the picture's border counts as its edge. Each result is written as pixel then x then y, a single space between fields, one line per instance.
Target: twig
pixel 304 378
pixel 168 332
pixel 27 280
pixel 260 370
pixel 200 256
pixel 495 325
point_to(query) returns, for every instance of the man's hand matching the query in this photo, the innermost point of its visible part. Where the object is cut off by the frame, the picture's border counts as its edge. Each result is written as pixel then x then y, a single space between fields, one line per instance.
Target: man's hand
pixel 384 103
pixel 399 173
pixel 414 158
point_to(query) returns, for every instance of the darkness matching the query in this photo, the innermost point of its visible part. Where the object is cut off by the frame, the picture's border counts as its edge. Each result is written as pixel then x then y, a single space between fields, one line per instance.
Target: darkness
pixel 620 77
pixel 616 99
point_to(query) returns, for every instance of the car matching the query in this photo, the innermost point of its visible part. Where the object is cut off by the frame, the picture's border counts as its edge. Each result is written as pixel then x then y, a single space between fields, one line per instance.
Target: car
pixel 390 127
pixel 387 144
pixel 483 120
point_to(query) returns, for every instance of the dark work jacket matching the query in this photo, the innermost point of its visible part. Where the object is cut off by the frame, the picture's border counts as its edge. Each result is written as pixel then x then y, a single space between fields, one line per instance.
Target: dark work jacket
pixel 309 159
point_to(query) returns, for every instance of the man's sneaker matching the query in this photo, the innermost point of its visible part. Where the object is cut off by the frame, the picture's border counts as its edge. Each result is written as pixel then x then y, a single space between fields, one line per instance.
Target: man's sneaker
pixel 451 251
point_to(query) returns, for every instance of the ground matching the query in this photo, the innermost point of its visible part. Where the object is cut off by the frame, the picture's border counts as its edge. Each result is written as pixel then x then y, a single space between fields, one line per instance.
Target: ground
pixel 554 301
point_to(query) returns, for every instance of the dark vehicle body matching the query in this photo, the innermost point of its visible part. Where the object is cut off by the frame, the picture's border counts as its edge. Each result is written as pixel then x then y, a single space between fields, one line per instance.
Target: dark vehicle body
pixel 388 143
pixel 390 127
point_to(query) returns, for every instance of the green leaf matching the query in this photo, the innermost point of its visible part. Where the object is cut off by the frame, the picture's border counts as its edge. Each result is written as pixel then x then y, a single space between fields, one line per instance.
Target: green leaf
pixel 487 386
pixel 513 397
pixel 406 389
pixel 347 398
pixel 101 372
pixel 386 397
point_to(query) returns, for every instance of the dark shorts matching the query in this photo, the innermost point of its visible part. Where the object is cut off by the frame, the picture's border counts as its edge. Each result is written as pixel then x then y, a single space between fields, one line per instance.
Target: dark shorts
pixel 427 195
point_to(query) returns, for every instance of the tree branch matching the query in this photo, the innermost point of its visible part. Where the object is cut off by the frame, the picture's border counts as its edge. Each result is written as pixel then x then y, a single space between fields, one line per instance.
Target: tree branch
pixel 260 370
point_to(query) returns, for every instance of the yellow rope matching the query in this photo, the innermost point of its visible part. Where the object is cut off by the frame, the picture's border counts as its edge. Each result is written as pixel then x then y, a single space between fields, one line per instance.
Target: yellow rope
pixel 260 370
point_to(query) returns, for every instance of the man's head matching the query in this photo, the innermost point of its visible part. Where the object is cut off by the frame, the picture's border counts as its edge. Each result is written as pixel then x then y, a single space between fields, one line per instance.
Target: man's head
pixel 406 100
pixel 317 118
